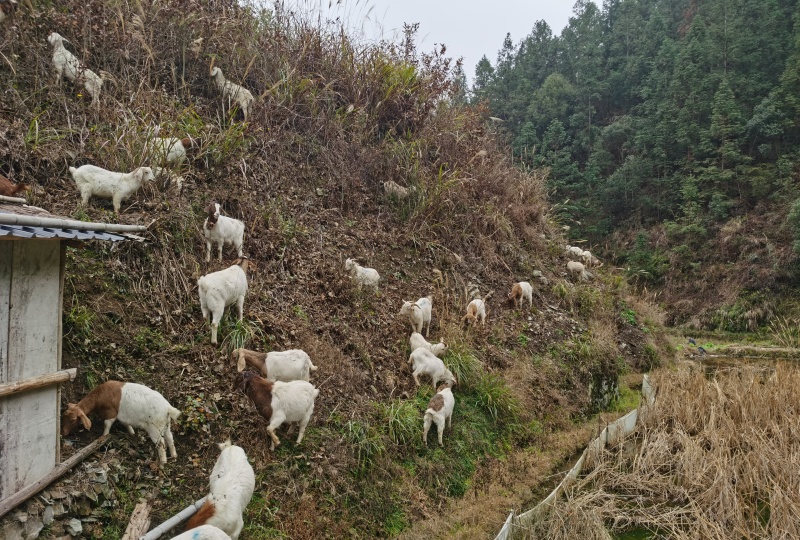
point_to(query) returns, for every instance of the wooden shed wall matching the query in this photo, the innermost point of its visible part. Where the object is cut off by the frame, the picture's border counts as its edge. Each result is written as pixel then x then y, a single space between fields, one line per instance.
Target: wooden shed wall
pixel 30 345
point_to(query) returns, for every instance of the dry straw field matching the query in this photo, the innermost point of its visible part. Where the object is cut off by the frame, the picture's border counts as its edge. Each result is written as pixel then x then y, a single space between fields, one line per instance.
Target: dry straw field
pixel 713 458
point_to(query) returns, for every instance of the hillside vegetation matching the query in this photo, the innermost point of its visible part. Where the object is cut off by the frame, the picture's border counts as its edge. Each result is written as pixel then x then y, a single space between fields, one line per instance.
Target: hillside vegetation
pixel 334 118
pixel 670 130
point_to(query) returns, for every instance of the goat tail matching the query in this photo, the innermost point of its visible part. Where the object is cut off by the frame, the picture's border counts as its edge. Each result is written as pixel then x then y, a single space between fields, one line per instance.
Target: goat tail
pixel 174 413
pixel 72 170
pixel 312 367
pixel 316 392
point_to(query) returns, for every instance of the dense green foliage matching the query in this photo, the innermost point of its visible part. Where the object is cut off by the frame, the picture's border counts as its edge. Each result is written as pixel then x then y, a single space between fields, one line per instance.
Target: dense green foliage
pixel 652 111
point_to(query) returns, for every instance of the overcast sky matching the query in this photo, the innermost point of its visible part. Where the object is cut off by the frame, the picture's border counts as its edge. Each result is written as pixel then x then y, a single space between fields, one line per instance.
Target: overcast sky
pixel 469 28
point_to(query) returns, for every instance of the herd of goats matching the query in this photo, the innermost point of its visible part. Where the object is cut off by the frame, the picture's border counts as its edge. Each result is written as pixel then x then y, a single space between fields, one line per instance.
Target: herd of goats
pixel 279 387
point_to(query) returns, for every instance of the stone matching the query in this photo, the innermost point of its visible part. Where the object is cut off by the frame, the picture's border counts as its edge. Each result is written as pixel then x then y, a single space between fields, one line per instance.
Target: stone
pixel 33 527
pixel 83 507
pixel 12 530
pixel 74 527
pixel 47 516
pixel 59 510
pixel 58 494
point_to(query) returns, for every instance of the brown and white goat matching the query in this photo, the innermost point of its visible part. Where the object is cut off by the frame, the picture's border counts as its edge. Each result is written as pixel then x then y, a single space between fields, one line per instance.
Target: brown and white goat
pixel 291 365
pixel 134 405
pixel 476 310
pixel 440 409
pixel 222 230
pixel 519 292
pixel 10 189
pixel 280 402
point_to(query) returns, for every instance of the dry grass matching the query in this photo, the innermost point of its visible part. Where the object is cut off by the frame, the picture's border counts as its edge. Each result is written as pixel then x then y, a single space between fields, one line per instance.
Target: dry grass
pixel 712 459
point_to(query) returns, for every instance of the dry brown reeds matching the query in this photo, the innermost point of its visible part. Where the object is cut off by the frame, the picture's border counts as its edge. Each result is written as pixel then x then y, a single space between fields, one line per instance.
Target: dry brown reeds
pixel 712 458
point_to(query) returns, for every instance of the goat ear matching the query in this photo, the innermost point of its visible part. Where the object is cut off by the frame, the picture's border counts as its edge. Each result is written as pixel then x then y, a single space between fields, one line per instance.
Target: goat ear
pixel 87 424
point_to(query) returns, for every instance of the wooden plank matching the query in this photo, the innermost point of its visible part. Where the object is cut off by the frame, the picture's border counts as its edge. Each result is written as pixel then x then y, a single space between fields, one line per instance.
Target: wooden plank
pixel 62 265
pixel 8 504
pixel 139 523
pixel 28 425
pixel 6 251
pixel 32 383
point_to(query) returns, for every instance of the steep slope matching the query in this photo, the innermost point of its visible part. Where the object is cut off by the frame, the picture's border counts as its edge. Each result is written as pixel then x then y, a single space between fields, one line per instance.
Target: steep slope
pixel 333 120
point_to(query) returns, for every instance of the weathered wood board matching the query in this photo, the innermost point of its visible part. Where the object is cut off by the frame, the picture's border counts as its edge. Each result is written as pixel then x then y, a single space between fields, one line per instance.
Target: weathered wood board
pixel 29 346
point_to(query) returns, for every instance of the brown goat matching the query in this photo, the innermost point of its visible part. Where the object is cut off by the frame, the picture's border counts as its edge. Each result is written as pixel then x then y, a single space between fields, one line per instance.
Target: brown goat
pixel 9 189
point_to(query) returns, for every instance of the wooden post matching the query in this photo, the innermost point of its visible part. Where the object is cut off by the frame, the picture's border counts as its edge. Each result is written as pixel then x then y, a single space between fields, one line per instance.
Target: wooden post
pixel 37 382
pixel 29 491
pixel 139 523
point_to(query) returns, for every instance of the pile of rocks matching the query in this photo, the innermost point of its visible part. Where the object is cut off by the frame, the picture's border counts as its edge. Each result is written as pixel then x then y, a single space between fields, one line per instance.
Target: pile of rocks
pixel 71 507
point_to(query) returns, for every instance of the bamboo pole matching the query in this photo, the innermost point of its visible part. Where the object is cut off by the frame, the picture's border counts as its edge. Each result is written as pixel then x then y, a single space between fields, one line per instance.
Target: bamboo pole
pixel 36 221
pixel 39 381
pixel 184 514
pixel 19 200
pixel 8 504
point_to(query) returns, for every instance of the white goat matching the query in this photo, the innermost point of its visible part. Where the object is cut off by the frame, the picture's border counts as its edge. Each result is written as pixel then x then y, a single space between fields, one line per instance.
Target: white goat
pixel 424 362
pixel 222 230
pixel 169 150
pixel 231 487
pixel 393 188
pixel 291 365
pixel 416 341
pixel 521 291
pixel 440 408
pixel 134 405
pixel 203 532
pixel 233 92
pixel 362 275
pixel 577 270
pixel 590 260
pixel 280 402
pixel 68 66
pixel 574 251
pixel 116 186
pixel 219 290
pixel 418 314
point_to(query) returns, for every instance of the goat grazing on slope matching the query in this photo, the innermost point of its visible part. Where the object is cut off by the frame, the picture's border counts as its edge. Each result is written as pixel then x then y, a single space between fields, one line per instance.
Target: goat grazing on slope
pixel 285 366
pixel 231 486
pixel 280 402
pixel 116 186
pixel 66 65
pixel 222 230
pixel 233 92
pixel 219 290
pixel 418 314
pixel 440 409
pixel 134 405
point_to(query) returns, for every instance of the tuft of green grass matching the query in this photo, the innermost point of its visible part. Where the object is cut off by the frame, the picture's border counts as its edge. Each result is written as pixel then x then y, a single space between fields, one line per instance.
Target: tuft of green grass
pixel 464 364
pixel 367 444
pixel 402 420
pixel 239 334
pixel 493 395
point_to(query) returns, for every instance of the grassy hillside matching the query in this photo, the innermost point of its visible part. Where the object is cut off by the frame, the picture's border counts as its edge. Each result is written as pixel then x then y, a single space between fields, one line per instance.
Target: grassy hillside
pixel 334 119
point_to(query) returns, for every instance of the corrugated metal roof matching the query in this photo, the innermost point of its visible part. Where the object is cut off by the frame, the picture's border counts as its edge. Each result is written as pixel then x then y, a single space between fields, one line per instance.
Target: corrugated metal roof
pixel 24 231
